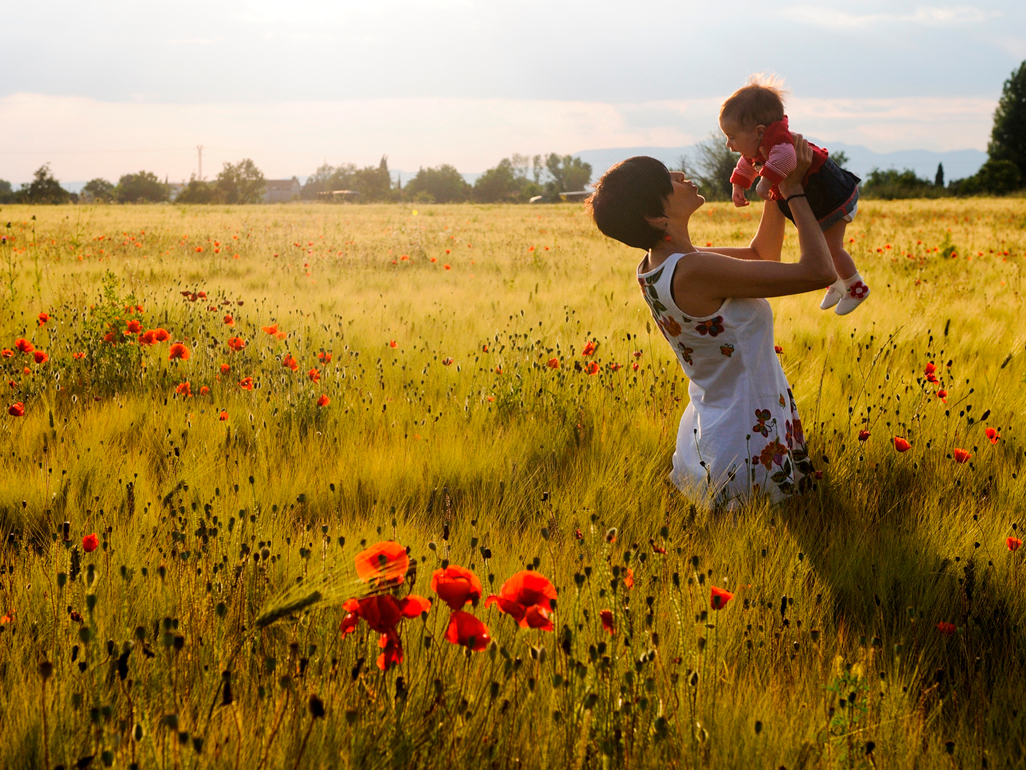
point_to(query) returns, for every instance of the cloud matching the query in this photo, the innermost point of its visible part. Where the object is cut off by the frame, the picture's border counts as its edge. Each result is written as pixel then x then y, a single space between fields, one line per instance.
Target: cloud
pixel 86 138
pixel 831 18
pixel 197 40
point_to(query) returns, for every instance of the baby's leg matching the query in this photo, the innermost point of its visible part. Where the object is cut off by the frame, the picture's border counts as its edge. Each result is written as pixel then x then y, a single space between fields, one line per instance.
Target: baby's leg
pixel 849 290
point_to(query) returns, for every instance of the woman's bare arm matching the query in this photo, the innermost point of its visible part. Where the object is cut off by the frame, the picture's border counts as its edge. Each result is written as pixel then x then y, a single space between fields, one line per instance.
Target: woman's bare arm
pixel 768 240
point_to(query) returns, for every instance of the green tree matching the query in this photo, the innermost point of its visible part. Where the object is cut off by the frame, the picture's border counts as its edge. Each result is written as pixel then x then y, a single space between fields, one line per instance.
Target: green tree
pixel 240 182
pixel 44 188
pixel 892 184
pixel 508 181
pixel 1008 136
pixel 143 187
pixel 99 191
pixel 568 174
pixel 840 157
pixel 995 177
pixel 714 165
pixel 6 192
pixel 938 179
pixel 197 191
pixel 443 184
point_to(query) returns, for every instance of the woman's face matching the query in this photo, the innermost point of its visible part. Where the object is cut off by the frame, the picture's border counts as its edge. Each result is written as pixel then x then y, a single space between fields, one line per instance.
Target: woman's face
pixel 684 200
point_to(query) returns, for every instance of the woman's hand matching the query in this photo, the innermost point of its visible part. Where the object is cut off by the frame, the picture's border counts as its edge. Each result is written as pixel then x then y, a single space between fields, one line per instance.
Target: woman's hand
pixel 792 183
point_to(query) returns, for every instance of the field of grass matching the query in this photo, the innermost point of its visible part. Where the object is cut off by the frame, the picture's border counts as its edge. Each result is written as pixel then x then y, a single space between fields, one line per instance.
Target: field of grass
pixel 419 376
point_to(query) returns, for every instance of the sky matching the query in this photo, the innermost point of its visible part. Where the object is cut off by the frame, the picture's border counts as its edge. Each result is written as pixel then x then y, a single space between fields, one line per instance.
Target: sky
pixel 107 88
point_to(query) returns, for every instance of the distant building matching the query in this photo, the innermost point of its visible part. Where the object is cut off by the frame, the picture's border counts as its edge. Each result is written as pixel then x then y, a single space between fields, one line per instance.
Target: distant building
pixel 576 195
pixel 173 189
pixel 340 196
pixel 281 190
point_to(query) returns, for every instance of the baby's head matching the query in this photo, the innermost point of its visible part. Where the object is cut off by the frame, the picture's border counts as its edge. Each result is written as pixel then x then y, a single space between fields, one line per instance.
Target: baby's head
pixel 745 115
pixel 627 196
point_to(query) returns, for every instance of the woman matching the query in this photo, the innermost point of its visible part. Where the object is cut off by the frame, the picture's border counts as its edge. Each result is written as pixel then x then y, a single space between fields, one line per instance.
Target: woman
pixel 741 435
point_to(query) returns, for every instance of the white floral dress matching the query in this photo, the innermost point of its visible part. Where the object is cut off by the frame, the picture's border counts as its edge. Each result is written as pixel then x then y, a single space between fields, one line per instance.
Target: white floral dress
pixel 740 435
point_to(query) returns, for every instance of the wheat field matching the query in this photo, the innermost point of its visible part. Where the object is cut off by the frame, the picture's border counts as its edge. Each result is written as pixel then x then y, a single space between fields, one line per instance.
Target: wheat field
pixel 183 513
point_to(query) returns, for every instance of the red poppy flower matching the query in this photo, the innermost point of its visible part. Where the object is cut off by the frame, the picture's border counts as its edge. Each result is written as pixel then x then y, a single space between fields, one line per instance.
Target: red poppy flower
pixel 90 543
pixel 314 375
pixel 901 444
pixel 236 343
pixel 393 651
pixel 133 326
pixel 270 329
pixel 553 363
pixel 224 416
pixel 592 367
pixel 147 338
pixel 946 628
pixel 325 357
pixel 384 561
pixel 229 321
pixel 655 546
pixel 527 598
pixel 383 611
pixel 447 361
pixel 246 383
pixel 323 400
pixel 40 357
pixel 393 344
pixel 5 353
pixel 942 395
pixel 161 335
pixel 23 345
pixel 930 369
pixel 204 390
pixel 606 616
pixel 179 351
pixel 349 623
pixel 629 580
pixel 290 363
pixel 184 389
pixel 43 318
pixel 777 349
pixel 863 435
pixel 78 356
pixel 961 455
pixel 719 597
pixel 466 630
pixel 1013 543
pixel 589 348
pixel 225 368
pixel 16 409
pixel 456 586
pixel 992 434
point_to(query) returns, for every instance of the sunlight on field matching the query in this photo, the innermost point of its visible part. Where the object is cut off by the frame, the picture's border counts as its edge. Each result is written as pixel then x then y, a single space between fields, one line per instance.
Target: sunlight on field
pixel 336 376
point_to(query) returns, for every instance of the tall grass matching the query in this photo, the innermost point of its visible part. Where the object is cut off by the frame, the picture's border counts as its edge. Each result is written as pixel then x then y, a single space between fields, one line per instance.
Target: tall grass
pixel 449 432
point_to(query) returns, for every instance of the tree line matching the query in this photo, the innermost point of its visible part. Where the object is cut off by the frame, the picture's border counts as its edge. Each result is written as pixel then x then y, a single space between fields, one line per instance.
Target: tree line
pixel 517 179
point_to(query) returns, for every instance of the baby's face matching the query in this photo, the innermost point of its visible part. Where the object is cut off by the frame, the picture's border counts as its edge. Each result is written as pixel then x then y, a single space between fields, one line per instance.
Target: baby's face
pixel 743 139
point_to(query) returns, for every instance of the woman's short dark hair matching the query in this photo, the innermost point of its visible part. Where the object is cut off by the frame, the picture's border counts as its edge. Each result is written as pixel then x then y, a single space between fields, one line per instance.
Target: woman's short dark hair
pixel 628 193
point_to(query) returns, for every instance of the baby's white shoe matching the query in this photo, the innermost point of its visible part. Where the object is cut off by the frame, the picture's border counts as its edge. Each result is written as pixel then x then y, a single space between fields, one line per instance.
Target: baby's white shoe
pixel 854 295
pixel 833 295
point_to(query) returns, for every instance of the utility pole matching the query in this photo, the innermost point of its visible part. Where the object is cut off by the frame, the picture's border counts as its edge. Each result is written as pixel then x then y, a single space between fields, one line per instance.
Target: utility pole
pixel 199 148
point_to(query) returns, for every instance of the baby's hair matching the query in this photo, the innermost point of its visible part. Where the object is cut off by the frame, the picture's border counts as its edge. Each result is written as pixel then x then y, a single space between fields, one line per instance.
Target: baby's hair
pixel 759 102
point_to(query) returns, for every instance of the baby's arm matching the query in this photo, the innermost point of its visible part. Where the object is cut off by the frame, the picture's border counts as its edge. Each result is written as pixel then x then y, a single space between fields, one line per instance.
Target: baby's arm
pixel 742 178
pixel 780 161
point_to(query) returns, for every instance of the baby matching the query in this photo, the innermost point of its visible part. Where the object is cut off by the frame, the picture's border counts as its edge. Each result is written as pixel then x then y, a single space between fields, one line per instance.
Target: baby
pixel 755 125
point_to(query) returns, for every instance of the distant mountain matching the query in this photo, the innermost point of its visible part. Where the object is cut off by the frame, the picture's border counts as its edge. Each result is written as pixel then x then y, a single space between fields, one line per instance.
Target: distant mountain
pixel 861 160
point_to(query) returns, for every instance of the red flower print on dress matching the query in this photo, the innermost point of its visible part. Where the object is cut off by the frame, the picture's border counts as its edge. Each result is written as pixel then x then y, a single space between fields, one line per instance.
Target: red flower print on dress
pixel 762 415
pixel 712 327
pixel 727 350
pixel 685 353
pixel 772 454
pixel 670 326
